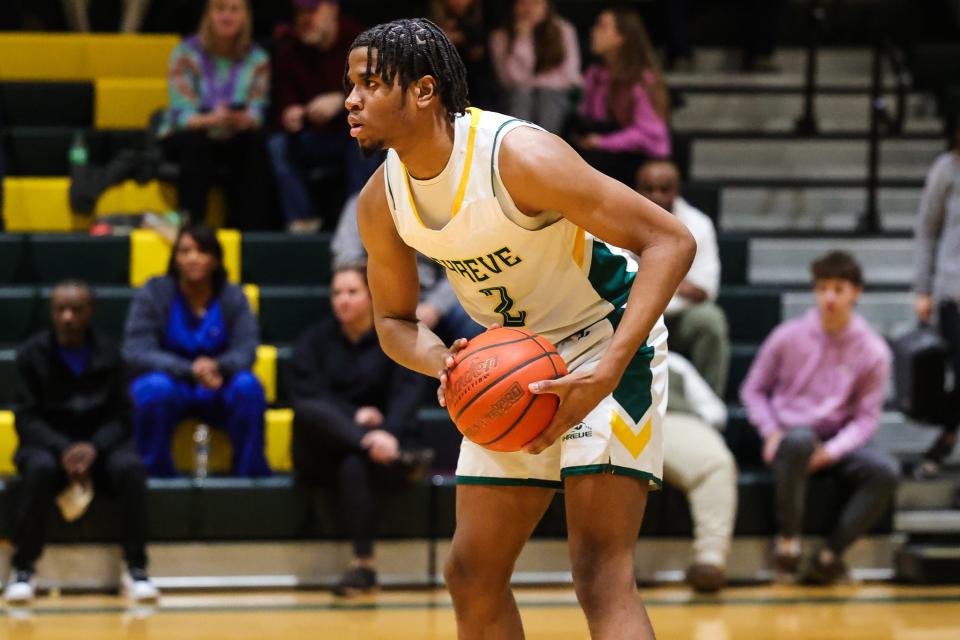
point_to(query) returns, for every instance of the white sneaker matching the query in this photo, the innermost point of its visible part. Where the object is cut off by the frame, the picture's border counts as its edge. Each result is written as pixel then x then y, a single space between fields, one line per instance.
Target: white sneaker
pixel 138 587
pixel 20 588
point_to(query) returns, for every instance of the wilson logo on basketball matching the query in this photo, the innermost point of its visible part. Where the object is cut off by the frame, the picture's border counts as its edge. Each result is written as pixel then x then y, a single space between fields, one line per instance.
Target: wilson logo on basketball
pixel 478 369
pixel 511 397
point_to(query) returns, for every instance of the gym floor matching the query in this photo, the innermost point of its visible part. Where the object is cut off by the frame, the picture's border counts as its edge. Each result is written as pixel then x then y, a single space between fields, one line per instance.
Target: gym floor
pixel 850 612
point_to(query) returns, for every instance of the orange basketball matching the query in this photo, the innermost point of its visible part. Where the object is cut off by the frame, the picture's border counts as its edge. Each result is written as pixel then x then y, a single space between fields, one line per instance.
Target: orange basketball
pixel 488 394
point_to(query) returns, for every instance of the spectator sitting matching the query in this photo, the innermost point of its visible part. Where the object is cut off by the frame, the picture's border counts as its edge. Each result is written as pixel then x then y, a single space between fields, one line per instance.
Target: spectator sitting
pixel 536 59
pixel 815 393
pixel 72 420
pixel 462 21
pixel 308 100
pixel 191 339
pixel 698 327
pixel 696 460
pixel 439 308
pixel 936 280
pixel 355 409
pixel 219 88
pixel 625 109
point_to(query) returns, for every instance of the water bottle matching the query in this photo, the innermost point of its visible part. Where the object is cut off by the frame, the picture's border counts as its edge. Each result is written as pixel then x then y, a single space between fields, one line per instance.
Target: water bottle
pixel 201 451
pixel 78 151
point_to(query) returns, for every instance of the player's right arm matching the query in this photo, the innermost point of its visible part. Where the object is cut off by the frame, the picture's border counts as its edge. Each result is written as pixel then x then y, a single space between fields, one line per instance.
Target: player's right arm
pixel 395 287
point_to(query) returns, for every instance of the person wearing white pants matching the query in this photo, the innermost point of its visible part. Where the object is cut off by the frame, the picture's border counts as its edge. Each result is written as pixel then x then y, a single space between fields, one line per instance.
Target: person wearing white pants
pixel 698 462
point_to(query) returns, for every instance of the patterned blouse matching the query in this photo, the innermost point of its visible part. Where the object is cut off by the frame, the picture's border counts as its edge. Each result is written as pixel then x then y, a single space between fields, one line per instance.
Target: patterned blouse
pixel 201 81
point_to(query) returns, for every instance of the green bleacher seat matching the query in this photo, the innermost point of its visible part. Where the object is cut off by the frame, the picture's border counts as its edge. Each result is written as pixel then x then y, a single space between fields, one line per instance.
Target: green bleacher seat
pixel 734 258
pixel 19 316
pixel 741 357
pixel 98 260
pixel 13 250
pixel 286 311
pixel 8 375
pixel 46 104
pixel 752 312
pixel 283 259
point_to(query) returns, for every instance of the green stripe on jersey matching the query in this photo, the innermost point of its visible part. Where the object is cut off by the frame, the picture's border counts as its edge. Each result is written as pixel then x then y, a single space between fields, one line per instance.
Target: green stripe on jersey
pixel 493 154
pixel 633 393
pixel 609 275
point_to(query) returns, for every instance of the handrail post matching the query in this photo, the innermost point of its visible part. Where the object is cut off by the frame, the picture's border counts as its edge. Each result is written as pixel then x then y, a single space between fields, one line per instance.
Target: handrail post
pixel 806 123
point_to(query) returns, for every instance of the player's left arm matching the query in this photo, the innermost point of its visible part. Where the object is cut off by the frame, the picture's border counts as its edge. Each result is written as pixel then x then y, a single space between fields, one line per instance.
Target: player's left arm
pixel 542 173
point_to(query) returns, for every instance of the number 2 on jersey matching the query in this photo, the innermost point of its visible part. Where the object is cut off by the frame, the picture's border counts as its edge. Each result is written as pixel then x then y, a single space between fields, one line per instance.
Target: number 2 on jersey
pixel 517 319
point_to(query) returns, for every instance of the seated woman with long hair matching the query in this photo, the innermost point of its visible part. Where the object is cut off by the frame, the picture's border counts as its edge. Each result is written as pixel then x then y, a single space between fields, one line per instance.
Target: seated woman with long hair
pixel 191 340
pixel 219 89
pixel 625 110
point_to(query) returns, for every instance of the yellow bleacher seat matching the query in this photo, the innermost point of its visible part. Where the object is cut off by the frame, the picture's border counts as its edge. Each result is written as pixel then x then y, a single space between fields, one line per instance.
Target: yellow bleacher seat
pixel 68 56
pixel 279 432
pixel 37 204
pixel 131 196
pixel 265 368
pixel 252 292
pixel 128 55
pixel 150 254
pixel 127 103
pixel 41 56
pixel 8 443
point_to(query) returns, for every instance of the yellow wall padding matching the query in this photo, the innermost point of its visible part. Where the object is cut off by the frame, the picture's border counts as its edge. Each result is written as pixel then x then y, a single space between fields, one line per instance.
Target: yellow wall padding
pixel 47 56
pixel 150 254
pixel 265 368
pixel 220 458
pixel 127 103
pixel 8 443
pixel 279 426
pixel 37 204
pixel 131 197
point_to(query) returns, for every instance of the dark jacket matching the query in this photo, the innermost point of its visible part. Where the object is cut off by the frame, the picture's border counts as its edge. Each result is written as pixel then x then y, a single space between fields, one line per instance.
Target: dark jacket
pixel 56 408
pixel 147 322
pixel 328 368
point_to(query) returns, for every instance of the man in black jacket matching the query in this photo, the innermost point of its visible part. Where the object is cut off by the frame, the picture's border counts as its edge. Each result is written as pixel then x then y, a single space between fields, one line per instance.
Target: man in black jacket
pixel 73 424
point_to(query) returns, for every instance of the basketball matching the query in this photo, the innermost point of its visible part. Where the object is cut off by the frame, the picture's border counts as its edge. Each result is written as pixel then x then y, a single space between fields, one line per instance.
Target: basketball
pixel 487 392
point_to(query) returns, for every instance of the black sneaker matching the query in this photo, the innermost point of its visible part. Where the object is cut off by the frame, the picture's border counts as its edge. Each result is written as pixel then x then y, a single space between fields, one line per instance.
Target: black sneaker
pixel 356 581
pixel 786 563
pixel 706 578
pixel 825 573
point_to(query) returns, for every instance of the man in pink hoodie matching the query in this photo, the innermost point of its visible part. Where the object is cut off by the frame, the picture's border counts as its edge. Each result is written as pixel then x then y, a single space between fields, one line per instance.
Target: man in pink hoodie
pixel 815 393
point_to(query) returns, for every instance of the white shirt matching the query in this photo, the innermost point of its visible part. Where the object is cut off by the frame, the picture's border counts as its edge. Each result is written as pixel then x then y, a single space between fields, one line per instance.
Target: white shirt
pixel 705 270
pixel 700 397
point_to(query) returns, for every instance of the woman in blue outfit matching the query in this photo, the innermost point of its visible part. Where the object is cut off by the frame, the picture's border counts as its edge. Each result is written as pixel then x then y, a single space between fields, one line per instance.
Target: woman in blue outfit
pixel 190 341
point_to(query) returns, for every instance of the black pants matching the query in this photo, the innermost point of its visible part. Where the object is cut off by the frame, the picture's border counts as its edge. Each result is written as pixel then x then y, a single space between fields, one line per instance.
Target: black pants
pixel 327 452
pixel 950 330
pixel 120 474
pixel 872 474
pixel 245 157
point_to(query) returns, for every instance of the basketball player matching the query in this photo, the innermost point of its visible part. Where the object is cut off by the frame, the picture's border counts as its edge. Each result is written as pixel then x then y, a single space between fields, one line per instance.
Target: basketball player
pixel 517 218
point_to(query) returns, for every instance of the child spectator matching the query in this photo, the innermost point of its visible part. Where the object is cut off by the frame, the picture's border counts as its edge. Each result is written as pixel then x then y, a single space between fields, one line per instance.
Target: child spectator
pixel 815 393
pixel 625 109
pixel 536 59
pixel 219 90
pixel 191 339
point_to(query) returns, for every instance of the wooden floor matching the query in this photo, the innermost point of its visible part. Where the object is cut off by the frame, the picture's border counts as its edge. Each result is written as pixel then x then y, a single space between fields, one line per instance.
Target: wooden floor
pixel 781 613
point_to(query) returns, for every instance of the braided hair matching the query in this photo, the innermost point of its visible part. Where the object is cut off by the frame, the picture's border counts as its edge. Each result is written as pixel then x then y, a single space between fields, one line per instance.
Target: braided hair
pixel 413 48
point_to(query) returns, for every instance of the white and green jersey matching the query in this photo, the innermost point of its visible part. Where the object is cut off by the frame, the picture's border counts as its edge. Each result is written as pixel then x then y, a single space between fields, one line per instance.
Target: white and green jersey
pixel 553 279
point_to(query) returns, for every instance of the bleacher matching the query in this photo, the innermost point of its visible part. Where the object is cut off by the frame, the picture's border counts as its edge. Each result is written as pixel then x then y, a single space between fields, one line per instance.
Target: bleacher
pixel 778 201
